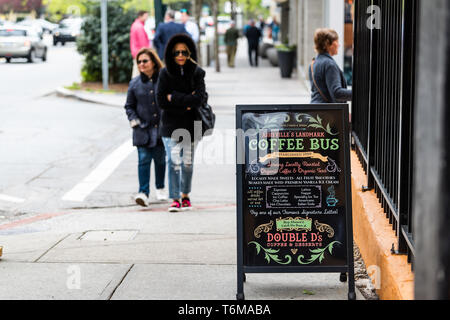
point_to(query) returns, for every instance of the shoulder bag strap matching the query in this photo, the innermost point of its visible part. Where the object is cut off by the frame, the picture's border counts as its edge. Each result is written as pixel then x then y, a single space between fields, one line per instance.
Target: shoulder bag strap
pixel 315 83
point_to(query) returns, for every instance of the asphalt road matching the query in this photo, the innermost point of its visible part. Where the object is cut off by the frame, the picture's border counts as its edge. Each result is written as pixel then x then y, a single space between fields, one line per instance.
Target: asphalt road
pixel 59 153
pixel 49 144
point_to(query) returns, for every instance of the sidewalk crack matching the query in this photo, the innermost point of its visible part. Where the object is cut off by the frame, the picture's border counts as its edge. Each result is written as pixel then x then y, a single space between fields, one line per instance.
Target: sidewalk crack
pixel 48 250
pixel 120 282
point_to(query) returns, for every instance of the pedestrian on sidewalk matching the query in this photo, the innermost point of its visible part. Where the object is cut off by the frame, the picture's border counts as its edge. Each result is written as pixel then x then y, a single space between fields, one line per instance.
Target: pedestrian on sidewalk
pixel 181 89
pixel 144 116
pixel 253 35
pixel 138 38
pixel 328 84
pixel 261 25
pixel 165 31
pixel 275 27
pixel 231 41
pixel 190 26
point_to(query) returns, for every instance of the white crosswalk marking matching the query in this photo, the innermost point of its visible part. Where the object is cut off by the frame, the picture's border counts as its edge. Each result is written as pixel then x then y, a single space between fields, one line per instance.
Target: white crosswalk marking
pixel 99 174
pixel 4 197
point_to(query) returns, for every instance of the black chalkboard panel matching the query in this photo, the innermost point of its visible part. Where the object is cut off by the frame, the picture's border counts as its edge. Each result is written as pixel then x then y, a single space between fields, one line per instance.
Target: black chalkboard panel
pixel 293 190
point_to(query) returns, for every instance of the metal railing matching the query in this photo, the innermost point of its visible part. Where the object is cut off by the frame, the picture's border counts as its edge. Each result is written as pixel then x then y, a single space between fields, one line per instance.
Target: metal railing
pixel 382 108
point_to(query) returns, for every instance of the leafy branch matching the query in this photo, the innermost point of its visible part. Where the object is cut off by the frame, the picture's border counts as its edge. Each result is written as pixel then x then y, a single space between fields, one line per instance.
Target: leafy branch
pixel 318 254
pixel 271 254
pixel 317 123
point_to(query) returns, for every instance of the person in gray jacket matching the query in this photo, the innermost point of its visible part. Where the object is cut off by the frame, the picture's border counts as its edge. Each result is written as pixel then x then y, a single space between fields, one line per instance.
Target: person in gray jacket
pixel 328 84
pixel 144 116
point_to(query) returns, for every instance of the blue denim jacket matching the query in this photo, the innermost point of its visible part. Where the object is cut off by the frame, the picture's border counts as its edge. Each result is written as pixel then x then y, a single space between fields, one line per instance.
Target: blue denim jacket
pixel 331 81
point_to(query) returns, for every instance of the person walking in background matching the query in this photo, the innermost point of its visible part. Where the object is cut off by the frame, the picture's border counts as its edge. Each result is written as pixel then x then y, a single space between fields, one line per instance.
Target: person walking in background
pixel 190 26
pixel 165 31
pixel 244 30
pixel 138 38
pixel 328 84
pixel 144 116
pixel 275 27
pixel 253 35
pixel 231 37
pixel 261 25
pixel 181 89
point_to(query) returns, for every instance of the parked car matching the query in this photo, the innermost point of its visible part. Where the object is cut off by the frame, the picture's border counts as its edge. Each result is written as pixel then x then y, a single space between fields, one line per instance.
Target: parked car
pixel 47 25
pixel 21 42
pixel 42 24
pixel 32 23
pixel 68 31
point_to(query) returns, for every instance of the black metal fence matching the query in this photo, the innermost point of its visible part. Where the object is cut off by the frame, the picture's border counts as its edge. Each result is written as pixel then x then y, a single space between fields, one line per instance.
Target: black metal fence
pixel 382 109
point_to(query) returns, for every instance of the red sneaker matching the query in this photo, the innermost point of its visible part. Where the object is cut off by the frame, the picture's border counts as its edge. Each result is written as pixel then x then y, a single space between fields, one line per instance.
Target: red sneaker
pixel 186 204
pixel 175 207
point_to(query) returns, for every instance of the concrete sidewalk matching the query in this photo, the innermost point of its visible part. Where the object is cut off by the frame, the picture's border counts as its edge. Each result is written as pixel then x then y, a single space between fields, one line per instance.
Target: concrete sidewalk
pixel 240 85
pixel 148 253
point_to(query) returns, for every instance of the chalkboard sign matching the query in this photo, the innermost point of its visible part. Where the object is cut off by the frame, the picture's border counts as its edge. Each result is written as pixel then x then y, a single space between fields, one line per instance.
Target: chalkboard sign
pixel 293 191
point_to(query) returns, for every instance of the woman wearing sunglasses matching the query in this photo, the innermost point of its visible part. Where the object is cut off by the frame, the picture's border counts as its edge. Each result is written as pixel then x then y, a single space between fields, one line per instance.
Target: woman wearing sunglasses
pixel 144 116
pixel 181 89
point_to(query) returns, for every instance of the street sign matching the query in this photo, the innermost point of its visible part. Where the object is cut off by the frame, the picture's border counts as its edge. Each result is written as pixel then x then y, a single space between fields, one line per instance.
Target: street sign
pixel 294 210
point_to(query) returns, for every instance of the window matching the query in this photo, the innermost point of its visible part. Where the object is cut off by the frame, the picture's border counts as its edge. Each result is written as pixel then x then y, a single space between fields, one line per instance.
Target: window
pixel 12 33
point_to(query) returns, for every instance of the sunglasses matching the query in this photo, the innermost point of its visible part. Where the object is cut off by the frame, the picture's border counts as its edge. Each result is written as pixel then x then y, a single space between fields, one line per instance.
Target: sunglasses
pixel 183 52
pixel 143 61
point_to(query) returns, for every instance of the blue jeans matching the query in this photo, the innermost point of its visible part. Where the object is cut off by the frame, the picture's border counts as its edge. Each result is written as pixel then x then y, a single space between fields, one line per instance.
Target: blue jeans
pixel 146 155
pixel 181 166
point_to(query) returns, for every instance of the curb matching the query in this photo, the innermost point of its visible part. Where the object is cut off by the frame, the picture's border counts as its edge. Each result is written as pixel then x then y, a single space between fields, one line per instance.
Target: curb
pixel 66 93
pixel 392 275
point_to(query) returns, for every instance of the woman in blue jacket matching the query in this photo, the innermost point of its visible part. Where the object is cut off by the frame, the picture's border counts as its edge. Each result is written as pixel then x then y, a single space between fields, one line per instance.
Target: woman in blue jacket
pixel 328 84
pixel 144 116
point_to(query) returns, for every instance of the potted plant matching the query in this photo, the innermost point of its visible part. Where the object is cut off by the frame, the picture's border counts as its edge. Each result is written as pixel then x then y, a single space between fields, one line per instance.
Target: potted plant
pixel 286 59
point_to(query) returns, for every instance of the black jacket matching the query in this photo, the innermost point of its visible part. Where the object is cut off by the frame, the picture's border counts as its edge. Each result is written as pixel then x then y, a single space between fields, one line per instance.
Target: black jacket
pixel 253 35
pixel 180 82
pixel 141 109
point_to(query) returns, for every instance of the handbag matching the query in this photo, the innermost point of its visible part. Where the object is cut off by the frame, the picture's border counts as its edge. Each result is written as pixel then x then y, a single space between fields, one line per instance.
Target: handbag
pixel 206 115
pixel 315 83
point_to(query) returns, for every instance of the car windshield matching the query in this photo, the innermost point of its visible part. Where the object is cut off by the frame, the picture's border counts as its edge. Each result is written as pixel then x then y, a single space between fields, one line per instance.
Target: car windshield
pixel 12 33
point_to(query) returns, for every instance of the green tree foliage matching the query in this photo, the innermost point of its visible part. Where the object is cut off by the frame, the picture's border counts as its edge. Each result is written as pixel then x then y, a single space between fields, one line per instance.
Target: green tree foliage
pixel 57 9
pixel 89 43
pixel 253 8
pixel 137 5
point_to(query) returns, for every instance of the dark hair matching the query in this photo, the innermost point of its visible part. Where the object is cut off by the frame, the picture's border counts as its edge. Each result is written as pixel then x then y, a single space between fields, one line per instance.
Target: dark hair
pixel 141 13
pixel 324 38
pixel 153 56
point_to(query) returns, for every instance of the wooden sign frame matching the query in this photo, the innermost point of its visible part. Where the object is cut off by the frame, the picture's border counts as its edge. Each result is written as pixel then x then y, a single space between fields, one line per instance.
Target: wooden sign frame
pixel 242 268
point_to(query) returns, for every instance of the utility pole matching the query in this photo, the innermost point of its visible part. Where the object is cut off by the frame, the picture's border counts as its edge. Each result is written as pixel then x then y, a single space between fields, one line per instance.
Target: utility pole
pixel 215 5
pixel 159 18
pixel 105 64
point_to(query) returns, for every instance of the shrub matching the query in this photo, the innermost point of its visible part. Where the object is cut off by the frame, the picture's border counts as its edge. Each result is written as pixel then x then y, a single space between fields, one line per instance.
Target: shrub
pixel 89 44
pixel 286 47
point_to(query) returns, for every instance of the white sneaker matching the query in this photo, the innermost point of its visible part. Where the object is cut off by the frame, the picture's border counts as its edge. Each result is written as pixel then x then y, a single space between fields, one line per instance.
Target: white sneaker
pixel 141 199
pixel 161 195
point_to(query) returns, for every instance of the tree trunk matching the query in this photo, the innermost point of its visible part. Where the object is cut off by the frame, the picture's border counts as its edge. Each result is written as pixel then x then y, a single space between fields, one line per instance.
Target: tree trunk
pixel 197 12
pixel 233 10
pixel 215 6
